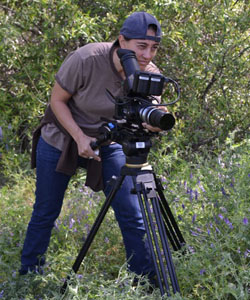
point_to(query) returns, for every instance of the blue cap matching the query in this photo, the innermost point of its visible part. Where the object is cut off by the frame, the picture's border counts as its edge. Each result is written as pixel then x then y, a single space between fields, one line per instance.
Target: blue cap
pixel 136 26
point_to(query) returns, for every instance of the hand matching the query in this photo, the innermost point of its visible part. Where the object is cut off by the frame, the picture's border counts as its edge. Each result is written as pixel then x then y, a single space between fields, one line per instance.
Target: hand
pixel 151 128
pixel 84 148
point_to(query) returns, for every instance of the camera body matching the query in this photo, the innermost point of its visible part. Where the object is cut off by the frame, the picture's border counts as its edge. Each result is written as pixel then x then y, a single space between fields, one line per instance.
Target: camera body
pixel 137 111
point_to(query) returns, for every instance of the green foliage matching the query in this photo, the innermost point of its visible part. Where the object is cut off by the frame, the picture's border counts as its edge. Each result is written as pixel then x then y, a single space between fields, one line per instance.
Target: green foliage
pixel 210 199
pixel 207 49
pixel 35 37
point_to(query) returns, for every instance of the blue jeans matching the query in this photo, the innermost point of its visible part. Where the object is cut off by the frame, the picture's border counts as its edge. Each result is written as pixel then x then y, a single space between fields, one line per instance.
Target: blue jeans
pixel 50 189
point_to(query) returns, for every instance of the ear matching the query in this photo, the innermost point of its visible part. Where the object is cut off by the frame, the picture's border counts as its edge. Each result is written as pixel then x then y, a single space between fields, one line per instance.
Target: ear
pixel 121 41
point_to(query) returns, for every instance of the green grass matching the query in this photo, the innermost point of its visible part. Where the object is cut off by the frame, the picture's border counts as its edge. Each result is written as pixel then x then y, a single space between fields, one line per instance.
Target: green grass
pixel 210 200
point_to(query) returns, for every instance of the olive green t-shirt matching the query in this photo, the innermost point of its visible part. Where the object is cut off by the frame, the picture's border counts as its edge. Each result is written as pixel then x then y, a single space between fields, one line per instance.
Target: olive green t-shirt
pixel 86 74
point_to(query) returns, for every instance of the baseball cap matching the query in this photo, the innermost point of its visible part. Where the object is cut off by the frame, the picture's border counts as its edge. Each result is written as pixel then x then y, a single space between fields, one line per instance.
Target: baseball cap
pixel 136 26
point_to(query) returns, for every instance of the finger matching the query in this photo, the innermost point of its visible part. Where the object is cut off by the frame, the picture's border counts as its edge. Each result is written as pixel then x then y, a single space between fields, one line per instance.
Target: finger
pixel 83 155
pixel 151 128
pixel 163 108
pixel 91 156
pixel 94 155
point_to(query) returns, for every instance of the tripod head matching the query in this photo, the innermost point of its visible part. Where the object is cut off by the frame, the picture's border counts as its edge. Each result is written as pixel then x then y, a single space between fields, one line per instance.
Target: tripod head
pixel 136 142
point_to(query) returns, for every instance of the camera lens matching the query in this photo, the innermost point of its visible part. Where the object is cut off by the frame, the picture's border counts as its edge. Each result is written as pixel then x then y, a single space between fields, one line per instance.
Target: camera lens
pixel 157 117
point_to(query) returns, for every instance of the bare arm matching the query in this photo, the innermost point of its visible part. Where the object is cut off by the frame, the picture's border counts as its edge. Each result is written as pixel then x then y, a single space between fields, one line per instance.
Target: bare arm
pixel 59 99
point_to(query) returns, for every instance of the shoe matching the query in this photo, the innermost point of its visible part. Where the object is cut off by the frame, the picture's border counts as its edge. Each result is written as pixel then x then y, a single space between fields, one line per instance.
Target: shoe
pixel 36 268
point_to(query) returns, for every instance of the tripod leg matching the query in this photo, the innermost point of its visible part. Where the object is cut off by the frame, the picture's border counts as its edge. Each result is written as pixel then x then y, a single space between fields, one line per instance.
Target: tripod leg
pixel 173 232
pixel 166 250
pixel 146 185
pixel 149 235
pixel 157 246
pixel 116 185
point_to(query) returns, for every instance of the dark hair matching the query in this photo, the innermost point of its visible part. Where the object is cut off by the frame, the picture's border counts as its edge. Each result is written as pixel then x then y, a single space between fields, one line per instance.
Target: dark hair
pixel 153 27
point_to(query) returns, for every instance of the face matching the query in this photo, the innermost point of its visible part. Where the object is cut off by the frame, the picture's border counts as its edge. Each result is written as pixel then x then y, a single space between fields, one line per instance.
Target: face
pixel 145 49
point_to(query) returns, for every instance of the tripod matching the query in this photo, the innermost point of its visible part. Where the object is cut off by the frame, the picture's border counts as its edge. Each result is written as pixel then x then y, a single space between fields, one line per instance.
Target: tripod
pixel 158 220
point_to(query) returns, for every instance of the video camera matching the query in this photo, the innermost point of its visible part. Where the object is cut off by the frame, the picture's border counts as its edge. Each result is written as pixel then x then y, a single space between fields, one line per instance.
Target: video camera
pixel 141 88
pixel 137 107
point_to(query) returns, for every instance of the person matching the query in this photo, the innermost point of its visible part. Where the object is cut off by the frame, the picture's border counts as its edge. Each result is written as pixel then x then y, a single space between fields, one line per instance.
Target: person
pixel 61 143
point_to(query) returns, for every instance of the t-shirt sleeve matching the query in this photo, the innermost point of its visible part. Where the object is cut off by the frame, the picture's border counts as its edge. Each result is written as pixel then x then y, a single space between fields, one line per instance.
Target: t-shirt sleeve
pixel 70 75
